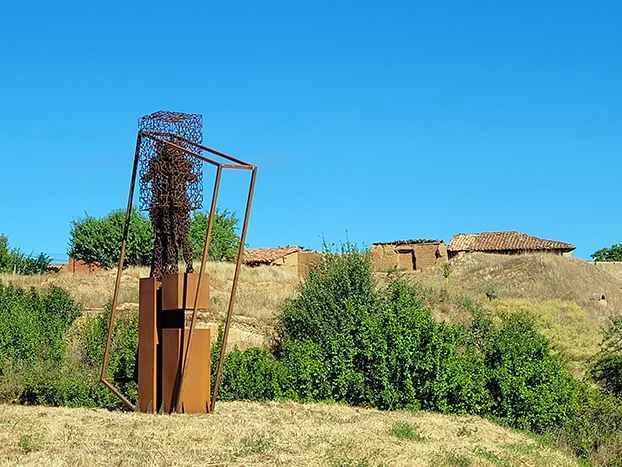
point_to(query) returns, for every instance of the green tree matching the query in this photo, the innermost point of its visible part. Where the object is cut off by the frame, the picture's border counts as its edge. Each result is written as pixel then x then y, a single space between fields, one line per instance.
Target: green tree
pixel 612 253
pixel 225 241
pixel 14 260
pixel 97 240
pixel 4 253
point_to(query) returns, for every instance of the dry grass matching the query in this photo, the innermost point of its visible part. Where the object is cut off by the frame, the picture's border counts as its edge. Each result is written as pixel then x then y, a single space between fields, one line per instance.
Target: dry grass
pixel 536 277
pixel 242 433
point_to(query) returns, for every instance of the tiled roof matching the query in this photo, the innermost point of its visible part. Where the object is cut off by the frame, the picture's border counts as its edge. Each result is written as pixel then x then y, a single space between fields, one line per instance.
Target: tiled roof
pixel 268 255
pixel 504 241
pixel 410 242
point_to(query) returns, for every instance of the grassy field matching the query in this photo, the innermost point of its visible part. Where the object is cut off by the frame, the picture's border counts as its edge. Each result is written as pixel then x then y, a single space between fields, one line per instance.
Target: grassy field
pixel 244 433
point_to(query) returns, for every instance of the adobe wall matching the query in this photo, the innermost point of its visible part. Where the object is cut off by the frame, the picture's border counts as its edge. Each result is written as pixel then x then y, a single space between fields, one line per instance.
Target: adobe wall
pixel 80 267
pixel 299 263
pixel 386 257
pixel 306 261
pixel 288 263
pixel 426 255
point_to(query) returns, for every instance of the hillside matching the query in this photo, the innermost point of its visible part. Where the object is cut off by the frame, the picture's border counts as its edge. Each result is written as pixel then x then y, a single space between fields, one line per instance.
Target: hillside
pixel 562 294
pixel 243 433
pixel 539 277
pixel 260 293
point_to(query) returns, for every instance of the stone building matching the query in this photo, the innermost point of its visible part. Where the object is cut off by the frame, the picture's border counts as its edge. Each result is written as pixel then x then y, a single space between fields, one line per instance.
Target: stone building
pixel 507 243
pixel 408 255
pixel 294 259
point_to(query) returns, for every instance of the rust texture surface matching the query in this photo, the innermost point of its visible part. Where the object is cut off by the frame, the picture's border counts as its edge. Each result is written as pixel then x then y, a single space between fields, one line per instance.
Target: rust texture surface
pixel 168 160
pixel 170 186
pixel 195 394
pixel 179 291
pixel 147 346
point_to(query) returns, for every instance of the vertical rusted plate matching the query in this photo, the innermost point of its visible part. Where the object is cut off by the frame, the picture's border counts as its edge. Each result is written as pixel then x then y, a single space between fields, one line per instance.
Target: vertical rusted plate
pixel 195 396
pixel 171 361
pixel 179 289
pixel 147 345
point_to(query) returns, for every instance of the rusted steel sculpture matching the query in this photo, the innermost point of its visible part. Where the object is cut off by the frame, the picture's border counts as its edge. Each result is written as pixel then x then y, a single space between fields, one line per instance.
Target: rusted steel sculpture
pixel 174 360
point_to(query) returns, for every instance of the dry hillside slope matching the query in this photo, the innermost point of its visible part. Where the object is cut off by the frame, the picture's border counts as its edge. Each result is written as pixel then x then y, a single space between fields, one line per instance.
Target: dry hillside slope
pixel 539 277
pixel 563 296
pixel 260 293
pixel 243 433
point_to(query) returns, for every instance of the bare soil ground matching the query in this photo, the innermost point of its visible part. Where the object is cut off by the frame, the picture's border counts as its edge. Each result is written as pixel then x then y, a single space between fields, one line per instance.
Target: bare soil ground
pixel 244 433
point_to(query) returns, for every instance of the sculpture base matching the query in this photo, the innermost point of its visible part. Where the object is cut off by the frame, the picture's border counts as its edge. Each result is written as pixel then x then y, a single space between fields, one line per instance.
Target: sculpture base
pixel 162 337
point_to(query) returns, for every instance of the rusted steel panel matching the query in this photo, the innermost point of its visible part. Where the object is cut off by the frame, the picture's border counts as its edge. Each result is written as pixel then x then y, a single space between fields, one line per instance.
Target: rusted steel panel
pixel 179 290
pixel 147 345
pixel 195 394
pixel 171 362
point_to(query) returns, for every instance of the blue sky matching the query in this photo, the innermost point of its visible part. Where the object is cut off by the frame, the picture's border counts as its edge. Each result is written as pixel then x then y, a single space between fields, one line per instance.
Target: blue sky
pixel 369 121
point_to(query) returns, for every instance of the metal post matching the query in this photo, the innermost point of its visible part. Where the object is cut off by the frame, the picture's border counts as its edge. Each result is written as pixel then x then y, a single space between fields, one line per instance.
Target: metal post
pixel 234 287
pixel 115 296
pixel 204 257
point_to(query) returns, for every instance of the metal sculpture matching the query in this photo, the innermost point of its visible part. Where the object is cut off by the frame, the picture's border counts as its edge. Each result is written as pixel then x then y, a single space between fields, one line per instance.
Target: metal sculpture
pixel 172 367
pixel 170 187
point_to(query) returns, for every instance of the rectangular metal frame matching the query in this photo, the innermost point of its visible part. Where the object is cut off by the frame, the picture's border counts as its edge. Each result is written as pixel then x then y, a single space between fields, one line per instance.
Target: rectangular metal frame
pixel 232 163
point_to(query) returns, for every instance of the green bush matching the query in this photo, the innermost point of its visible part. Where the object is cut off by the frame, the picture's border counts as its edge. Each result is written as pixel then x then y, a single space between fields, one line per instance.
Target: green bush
pixel 373 347
pixel 607 367
pixel 15 261
pixel 343 338
pixel 253 374
pixel 37 364
pixel 122 364
pixel 33 323
pixel 595 432
pixel 97 240
pixel 531 389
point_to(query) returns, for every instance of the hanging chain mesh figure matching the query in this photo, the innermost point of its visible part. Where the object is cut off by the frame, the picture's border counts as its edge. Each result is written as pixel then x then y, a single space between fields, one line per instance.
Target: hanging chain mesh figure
pixel 170 186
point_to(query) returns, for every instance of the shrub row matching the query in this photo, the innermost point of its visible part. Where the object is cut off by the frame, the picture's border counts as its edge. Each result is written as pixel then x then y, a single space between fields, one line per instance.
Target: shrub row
pixel 42 362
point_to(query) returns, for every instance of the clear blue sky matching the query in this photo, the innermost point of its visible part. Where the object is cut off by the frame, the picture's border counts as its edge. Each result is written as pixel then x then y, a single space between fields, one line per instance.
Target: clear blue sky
pixel 369 120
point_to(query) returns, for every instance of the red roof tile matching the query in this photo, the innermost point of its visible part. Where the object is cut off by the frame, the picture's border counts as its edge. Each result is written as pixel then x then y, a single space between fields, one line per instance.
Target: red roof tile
pixel 504 241
pixel 268 255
